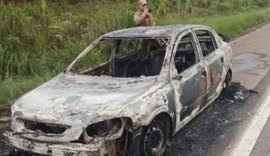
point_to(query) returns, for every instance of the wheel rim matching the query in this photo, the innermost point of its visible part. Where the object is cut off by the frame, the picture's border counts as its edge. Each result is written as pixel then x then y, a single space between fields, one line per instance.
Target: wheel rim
pixel 154 140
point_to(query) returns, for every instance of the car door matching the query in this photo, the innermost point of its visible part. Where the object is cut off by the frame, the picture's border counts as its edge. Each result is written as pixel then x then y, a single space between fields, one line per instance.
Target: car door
pixel 189 76
pixel 212 58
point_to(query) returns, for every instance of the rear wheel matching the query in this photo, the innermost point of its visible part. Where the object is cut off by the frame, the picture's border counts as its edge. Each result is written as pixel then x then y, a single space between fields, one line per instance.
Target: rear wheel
pixel 227 83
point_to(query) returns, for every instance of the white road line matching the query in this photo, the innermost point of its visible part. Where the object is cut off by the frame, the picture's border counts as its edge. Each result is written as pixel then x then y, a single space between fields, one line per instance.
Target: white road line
pixel 250 137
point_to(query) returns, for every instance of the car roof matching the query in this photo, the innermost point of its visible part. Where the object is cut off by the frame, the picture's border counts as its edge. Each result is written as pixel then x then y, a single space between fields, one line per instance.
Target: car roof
pixel 149 32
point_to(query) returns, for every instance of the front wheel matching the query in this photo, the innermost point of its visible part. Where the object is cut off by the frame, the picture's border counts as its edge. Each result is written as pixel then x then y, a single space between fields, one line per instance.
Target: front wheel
pixel 153 140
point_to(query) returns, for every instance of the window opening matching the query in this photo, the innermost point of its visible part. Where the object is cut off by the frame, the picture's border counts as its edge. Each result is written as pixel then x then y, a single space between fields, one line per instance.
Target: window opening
pixel 207 42
pixel 185 55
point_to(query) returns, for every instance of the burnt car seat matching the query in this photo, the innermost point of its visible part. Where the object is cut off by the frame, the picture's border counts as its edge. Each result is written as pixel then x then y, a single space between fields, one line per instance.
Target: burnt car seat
pixel 157 58
pixel 184 59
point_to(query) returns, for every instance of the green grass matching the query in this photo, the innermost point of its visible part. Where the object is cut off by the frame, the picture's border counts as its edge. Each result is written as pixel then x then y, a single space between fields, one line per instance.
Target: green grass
pixel 10 88
pixel 232 25
pixel 43 37
pixel 41 34
pixel 39 39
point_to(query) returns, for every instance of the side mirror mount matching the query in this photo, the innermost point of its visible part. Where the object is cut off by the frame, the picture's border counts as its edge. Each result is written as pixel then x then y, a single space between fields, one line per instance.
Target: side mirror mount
pixel 224 37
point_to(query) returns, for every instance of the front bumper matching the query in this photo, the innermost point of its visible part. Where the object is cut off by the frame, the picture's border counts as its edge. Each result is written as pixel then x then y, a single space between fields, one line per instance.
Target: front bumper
pixel 46 148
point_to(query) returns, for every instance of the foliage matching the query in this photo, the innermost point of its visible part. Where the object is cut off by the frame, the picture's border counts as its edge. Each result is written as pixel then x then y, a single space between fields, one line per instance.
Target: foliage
pixel 43 36
pixel 39 38
pixel 10 89
pixel 231 25
pixel 205 7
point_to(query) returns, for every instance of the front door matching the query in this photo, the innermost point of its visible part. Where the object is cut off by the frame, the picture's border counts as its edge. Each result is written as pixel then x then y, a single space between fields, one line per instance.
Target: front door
pixel 189 76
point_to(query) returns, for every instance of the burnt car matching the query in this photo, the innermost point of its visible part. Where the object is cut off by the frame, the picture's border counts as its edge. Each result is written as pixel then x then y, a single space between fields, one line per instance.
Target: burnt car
pixel 127 93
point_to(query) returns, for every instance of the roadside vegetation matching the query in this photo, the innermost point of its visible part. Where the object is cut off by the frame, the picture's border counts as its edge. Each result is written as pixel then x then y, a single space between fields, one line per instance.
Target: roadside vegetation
pixel 39 38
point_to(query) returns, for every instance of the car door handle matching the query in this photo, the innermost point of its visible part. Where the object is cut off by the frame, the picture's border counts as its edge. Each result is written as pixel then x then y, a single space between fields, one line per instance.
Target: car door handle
pixel 222 59
pixel 203 75
pixel 178 77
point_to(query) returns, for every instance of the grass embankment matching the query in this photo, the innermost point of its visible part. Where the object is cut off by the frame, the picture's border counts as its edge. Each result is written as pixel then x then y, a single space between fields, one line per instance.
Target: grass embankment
pixel 38 40
pixel 232 25
pixel 10 89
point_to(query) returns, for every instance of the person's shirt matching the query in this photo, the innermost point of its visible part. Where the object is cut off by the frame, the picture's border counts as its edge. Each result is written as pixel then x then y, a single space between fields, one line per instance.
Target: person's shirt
pixel 143 21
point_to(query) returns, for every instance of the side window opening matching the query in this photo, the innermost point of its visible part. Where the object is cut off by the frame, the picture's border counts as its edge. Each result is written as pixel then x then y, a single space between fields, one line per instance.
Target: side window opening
pixel 185 55
pixel 207 42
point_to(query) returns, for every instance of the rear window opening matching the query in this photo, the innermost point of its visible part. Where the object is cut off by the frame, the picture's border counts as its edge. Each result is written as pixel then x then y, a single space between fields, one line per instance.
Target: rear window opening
pixel 207 42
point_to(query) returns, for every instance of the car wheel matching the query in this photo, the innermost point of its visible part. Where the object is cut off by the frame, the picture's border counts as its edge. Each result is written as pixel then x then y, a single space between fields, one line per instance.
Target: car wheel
pixel 154 138
pixel 227 83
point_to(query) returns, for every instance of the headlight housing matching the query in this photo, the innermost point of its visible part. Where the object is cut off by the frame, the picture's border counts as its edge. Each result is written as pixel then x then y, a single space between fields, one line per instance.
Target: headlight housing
pixel 108 129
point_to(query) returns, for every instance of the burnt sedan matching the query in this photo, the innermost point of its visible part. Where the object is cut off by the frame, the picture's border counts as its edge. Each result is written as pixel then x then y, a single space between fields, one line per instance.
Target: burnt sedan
pixel 125 94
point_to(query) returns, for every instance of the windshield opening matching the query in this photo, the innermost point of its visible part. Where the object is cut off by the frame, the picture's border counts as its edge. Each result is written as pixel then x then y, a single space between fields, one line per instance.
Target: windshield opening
pixel 123 58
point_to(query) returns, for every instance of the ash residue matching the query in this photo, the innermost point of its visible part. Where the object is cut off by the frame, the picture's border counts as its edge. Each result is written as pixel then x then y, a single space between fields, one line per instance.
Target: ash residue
pixel 214 122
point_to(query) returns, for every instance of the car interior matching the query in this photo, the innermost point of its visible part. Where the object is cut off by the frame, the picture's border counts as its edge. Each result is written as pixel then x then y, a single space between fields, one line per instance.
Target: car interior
pixel 144 60
pixel 208 45
pixel 185 54
pixel 147 61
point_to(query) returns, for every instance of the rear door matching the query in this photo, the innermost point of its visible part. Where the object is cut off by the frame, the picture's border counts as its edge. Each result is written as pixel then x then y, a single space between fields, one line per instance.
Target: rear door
pixel 212 58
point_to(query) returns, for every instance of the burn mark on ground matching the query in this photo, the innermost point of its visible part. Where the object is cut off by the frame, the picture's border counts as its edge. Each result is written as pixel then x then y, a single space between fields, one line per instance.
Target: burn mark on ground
pixel 214 122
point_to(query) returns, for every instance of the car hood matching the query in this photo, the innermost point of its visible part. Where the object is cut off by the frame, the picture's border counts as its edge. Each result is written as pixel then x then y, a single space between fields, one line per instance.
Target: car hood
pixel 80 99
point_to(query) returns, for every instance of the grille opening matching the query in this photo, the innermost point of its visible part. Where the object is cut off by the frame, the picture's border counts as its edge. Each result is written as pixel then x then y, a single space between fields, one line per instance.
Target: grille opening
pixel 45 128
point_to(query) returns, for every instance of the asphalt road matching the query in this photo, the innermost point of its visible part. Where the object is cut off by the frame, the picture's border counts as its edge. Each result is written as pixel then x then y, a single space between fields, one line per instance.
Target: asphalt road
pixel 217 130
pixel 251 57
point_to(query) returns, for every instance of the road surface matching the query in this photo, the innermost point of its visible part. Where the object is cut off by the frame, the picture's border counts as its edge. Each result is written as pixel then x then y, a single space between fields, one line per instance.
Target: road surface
pixel 251 68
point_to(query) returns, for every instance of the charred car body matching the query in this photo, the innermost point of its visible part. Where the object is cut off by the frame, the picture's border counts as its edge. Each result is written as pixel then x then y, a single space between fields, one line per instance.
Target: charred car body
pixel 147 83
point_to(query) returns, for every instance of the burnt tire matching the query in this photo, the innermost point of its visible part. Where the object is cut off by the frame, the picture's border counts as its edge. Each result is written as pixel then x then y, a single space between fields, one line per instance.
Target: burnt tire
pixel 152 141
pixel 227 83
pixel 18 152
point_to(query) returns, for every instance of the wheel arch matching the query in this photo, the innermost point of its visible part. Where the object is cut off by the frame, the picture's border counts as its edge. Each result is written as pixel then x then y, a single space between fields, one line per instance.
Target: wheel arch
pixel 229 71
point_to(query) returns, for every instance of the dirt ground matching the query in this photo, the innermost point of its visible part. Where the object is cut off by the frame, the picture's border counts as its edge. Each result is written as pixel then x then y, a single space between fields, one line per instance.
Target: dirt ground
pixel 193 139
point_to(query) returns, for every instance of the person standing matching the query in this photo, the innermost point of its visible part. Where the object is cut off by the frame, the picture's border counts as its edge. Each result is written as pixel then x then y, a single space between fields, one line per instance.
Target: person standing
pixel 144 17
